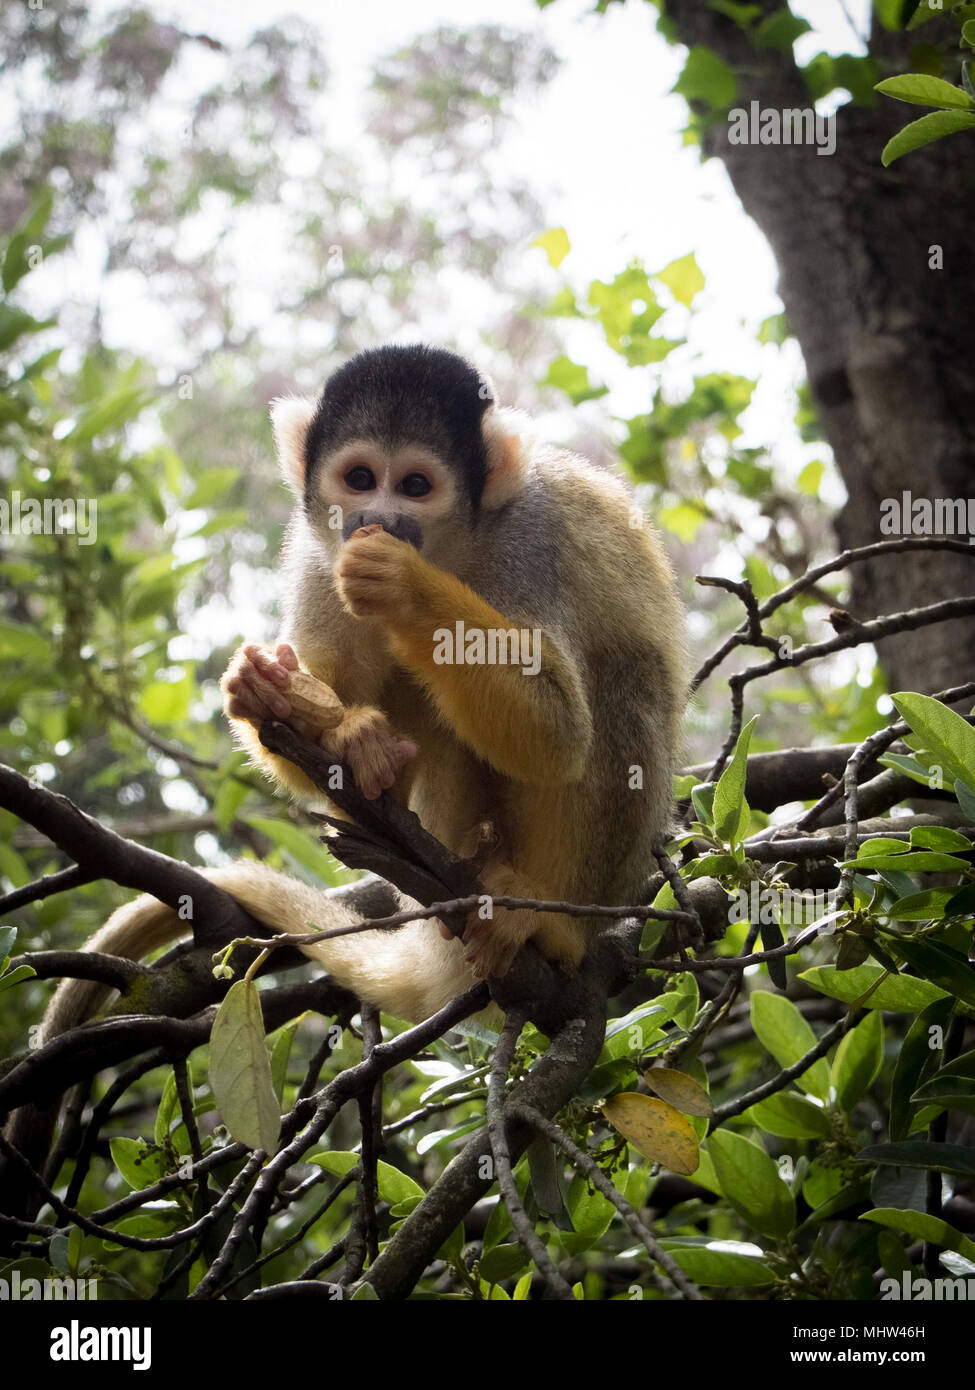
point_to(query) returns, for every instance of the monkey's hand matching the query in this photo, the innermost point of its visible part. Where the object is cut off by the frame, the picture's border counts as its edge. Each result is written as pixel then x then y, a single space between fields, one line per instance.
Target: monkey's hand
pixel 377 574
pixel 260 683
pixel 366 742
pixel 255 684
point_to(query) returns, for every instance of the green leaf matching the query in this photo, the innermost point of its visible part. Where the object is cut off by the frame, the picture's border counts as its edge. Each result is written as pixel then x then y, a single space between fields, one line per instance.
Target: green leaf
pixel 918 1153
pixel 281 1044
pixel 395 1185
pixel 961 1066
pixel 810 478
pixel 915 1057
pixel 950 1092
pixel 849 1194
pixel 683 278
pixel 730 807
pixel 686 988
pixel 781 1028
pixel 723 1268
pixel 706 77
pixel 118 409
pixel 503 1262
pixel 14 324
pixel 939 837
pixel 922 861
pixel 751 1183
pixel 896 994
pixel 235 517
pixel 230 797
pixel 962 902
pixel 591 1212
pixel 702 799
pixel 922 132
pixel 879 845
pixel 547 1178
pixel 572 378
pixel 336 1161
pixel 858 1060
pixel 213 483
pixel 17 641
pixel 908 765
pixel 922 907
pixel 780 30
pixel 923 1227
pixel 365 1293
pixel 790 1116
pixel 683 520
pixel 240 1071
pixel 922 90
pixel 140 1163
pixel 16 977
pixel 555 244
pixel 926 11
pixel 168 1109
pixel 948 969
pixel 822 1184
pixel 743 15
pixel 168 702
pixel 305 847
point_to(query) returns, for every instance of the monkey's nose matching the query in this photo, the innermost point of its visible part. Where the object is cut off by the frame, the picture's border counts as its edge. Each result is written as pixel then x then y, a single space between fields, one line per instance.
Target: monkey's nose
pixel 404 528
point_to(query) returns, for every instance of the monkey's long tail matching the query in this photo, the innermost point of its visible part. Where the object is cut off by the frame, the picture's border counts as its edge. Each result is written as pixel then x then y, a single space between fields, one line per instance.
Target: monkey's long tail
pixel 410 972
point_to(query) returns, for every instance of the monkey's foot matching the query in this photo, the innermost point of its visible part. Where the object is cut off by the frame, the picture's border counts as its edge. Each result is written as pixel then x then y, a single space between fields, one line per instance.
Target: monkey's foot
pixel 491 944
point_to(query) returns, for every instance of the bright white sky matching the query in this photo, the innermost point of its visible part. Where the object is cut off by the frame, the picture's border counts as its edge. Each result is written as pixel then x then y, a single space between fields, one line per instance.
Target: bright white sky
pixel 602 146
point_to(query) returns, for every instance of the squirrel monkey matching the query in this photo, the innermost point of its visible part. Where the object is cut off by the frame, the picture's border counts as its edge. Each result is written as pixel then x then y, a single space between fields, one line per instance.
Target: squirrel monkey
pixel 504 632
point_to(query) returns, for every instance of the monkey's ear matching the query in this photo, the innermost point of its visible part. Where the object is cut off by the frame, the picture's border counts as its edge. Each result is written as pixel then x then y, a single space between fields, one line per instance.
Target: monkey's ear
pixel 507 459
pixel 290 418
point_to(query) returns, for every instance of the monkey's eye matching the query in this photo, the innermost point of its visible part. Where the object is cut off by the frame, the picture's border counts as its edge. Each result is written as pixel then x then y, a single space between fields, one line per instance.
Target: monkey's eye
pixel 360 479
pixel 415 485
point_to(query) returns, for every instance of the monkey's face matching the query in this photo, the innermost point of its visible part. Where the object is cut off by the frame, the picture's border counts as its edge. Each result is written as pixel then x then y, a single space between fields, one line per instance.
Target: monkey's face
pixel 408 491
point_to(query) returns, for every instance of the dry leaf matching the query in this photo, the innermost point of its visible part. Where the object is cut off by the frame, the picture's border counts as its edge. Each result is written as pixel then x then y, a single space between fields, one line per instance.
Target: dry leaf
pixel 660 1132
pixel 679 1090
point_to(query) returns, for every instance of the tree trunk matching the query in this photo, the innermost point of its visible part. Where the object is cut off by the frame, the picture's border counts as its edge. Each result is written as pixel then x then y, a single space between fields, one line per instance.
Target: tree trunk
pixel 884 336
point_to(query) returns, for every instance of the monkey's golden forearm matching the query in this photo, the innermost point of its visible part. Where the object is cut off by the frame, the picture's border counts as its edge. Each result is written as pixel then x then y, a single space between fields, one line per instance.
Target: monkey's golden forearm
pixel 529 727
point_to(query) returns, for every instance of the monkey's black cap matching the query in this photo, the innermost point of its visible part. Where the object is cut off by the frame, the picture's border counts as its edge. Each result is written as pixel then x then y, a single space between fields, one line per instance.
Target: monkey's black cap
pixel 406 395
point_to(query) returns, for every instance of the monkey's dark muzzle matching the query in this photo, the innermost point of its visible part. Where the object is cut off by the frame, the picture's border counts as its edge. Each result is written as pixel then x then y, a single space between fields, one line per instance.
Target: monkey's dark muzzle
pixel 404 528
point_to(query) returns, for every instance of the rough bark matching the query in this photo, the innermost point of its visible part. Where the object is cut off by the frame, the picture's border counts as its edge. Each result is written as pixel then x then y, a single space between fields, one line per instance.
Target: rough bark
pixel 885 337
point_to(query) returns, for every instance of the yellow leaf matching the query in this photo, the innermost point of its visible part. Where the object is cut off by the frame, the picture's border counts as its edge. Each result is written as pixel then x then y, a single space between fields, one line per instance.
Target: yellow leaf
pixel 555 244
pixel 660 1132
pixel 683 278
pixel 679 1090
